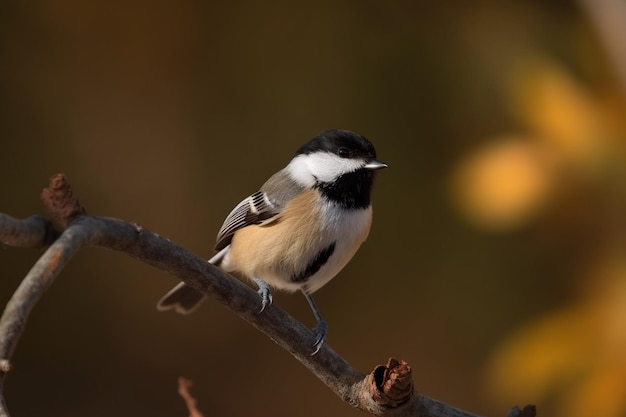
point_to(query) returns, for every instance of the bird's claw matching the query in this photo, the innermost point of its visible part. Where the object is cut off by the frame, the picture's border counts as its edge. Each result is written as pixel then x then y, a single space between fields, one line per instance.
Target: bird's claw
pixel 264 292
pixel 266 298
pixel 320 331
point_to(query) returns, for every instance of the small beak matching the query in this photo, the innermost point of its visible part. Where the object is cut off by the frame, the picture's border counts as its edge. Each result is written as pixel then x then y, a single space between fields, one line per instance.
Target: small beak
pixel 375 165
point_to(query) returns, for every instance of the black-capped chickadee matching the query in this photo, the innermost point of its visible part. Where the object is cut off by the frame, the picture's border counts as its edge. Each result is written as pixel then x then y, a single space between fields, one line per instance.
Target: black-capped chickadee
pixel 302 227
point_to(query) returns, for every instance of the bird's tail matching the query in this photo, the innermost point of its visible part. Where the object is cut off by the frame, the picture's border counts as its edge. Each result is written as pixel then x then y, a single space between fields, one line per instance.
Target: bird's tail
pixel 182 298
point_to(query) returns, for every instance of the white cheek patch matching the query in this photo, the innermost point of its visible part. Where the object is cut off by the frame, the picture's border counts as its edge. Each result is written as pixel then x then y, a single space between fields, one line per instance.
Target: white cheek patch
pixel 321 167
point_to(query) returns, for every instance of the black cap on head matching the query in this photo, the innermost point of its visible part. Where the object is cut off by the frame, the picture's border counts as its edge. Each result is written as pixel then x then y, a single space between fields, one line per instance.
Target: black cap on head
pixel 344 143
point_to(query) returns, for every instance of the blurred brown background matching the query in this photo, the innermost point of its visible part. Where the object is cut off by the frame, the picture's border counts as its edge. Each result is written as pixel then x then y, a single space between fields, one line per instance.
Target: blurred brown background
pixel 495 265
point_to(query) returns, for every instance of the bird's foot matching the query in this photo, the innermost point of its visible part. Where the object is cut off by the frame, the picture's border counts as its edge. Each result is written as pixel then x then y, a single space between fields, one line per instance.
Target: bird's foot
pixel 320 331
pixel 265 292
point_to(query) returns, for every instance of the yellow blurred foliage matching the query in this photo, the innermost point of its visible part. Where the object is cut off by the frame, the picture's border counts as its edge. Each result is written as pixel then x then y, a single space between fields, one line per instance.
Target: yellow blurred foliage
pixel 564 116
pixel 540 356
pixel 573 358
pixel 570 133
pixel 577 354
pixel 500 185
pixel 599 394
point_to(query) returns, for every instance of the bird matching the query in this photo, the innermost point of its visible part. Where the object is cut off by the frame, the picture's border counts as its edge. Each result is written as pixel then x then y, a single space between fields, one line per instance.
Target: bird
pixel 302 226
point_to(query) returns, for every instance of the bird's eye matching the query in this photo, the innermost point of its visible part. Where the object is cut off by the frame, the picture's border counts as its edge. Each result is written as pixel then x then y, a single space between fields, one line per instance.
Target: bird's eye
pixel 344 152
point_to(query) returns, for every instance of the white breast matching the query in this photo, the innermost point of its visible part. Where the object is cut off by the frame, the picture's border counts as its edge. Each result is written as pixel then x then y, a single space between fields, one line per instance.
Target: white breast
pixel 348 229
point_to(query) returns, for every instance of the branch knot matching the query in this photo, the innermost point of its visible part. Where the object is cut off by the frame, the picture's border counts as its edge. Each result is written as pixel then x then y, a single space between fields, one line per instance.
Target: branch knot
pixel 60 201
pixel 392 384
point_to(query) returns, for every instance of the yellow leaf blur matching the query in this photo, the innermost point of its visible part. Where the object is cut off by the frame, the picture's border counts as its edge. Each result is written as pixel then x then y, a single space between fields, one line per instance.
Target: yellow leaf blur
pixel 500 185
pixel 601 394
pixel 577 353
pixel 561 112
pixel 546 353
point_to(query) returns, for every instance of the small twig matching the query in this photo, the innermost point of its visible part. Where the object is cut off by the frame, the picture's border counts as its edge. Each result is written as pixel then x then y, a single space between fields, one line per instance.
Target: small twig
pixel 184 385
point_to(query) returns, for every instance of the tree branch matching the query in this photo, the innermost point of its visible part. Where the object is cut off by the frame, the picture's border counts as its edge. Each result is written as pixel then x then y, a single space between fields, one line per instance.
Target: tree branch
pixel 386 391
pixel 35 231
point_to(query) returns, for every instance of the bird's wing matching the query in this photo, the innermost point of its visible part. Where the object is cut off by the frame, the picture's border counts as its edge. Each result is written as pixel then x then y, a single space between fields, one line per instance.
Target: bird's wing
pixel 261 208
pixel 255 209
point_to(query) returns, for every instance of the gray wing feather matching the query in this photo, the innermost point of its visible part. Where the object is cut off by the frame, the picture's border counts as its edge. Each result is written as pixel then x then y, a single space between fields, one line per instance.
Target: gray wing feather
pixel 260 208
pixel 256 209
